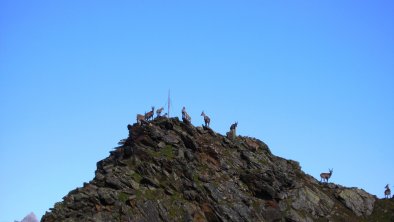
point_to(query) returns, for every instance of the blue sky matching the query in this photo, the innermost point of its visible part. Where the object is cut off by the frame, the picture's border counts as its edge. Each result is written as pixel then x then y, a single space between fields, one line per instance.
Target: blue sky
pixel 313 79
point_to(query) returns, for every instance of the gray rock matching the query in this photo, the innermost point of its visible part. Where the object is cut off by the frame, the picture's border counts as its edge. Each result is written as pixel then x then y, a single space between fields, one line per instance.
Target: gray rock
pixel 189 142
pixel 213 192
pixel 80 196
pixel 357 200
pixel 114 182
pixel 292 215
pixel 313 201
pixel 189 155
pixel 106 196
pixel 99 176
pixel 149 181
pixel 161 145
pixel 170 139
pixel 190 195
pixel 156 133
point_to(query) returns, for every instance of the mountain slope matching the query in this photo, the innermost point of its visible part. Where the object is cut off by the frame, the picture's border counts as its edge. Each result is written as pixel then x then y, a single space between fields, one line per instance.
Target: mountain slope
pixel 168 170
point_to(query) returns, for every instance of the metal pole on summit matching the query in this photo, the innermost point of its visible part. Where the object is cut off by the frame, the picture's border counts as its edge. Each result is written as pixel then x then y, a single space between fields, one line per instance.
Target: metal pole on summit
pixel 169 101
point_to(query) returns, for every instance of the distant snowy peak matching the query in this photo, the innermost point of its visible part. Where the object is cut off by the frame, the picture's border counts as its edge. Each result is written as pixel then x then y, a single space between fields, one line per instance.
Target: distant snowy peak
pixel 30 218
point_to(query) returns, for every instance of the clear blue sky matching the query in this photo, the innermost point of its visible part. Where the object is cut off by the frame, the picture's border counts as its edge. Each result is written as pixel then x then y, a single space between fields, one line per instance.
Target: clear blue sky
pixel 313 79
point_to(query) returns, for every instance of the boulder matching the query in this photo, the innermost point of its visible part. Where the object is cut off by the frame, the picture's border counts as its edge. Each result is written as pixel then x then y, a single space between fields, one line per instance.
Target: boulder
pixel 357 200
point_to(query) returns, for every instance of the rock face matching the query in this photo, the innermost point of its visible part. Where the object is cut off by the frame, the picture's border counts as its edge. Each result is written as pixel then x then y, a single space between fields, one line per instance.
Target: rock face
pixel 359 201
pixel 169 170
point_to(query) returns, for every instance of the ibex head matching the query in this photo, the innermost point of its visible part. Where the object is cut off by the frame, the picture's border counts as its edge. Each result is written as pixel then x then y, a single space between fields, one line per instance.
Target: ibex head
pixel 235 124
pixel 331 170
pixel 203 114
pixel 387 186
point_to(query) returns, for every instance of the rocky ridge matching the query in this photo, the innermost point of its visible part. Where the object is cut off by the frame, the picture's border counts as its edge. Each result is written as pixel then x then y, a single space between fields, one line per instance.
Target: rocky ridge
pixel 169 170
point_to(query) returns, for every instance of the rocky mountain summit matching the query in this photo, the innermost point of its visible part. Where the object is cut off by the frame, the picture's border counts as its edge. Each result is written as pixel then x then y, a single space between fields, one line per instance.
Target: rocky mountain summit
pixel 169 170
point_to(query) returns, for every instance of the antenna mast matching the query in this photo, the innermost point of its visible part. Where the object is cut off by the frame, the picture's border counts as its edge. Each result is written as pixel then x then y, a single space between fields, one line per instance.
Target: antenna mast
pixel 169 101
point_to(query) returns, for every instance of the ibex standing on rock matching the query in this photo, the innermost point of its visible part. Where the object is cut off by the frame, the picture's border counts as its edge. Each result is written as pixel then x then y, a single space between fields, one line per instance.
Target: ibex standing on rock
pixel 233 127
pixel 140 119
pixel 232 134
pixel 387 192
pixel 325 176
pixel 143 118
pixel 207 120
pixel 185 115
pixel 158 111
pixel 149 115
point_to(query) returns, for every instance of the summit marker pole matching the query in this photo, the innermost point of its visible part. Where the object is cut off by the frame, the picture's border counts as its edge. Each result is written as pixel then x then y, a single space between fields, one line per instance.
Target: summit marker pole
pixel 169 101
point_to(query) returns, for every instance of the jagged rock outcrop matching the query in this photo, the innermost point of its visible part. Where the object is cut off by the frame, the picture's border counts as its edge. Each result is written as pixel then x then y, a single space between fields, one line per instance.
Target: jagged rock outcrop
pixel 359 201
pixel 169 170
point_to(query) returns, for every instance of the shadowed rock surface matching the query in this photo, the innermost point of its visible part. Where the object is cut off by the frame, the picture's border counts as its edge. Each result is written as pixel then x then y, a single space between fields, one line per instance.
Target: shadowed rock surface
pixel 169 170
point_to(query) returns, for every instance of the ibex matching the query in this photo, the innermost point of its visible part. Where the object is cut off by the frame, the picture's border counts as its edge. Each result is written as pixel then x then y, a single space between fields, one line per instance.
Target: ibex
pixel 185 115
pixel 207 120
pixel 325 176
pixel 232 134
pixel 158 111
pixel 233 126
pixel 140 119
pixel 387 192
pixel 149 115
